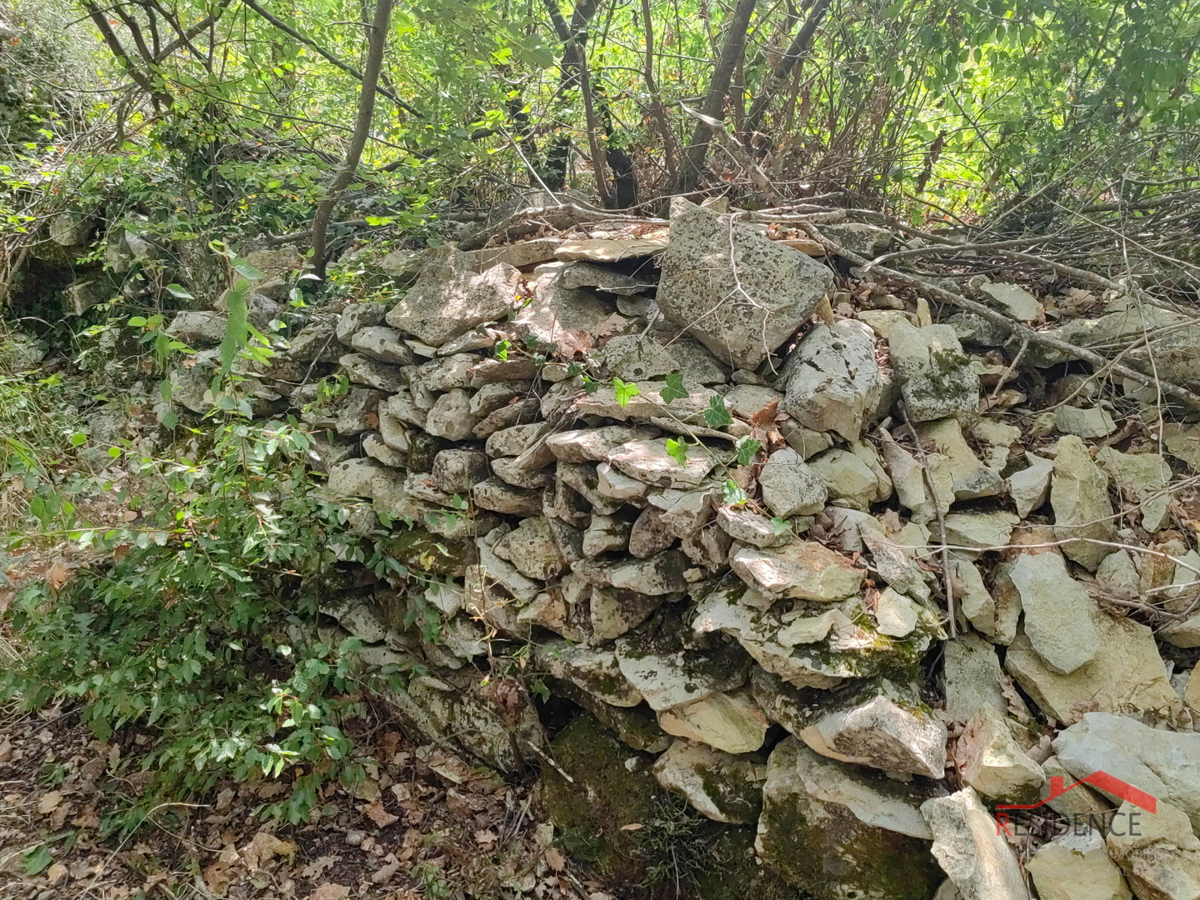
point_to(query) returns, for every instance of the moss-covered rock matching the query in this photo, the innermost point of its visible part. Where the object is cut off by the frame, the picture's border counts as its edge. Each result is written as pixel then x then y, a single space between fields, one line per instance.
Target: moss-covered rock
pixel 613 788
pixel 421 551
pixel 844 833
pixel 674 846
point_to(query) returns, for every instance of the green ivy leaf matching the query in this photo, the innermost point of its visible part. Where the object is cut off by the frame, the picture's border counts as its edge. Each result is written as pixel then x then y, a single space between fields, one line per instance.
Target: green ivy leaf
pixel 501 351
pixel 717 416
pixel 747 449
pixel 677 449
pixel 674 389
pixel 626 391
pixel 732 495
pixel 780 525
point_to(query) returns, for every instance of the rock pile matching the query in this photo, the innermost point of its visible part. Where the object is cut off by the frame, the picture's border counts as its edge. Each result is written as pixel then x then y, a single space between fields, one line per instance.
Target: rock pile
pixel 734 531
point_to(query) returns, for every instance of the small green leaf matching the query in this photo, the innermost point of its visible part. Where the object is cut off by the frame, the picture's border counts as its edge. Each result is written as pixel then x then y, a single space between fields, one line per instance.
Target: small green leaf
pixel 501 351
pixel 78 439
pixel 178 290
pixel 674 389
pixel 717 416
pixel 677 449
pixel 590 385
pixel 747 449
pixel 138 321
pixel 732 495
pixel 246 270
pixel 626 391
pixel 37 861
pixel 780 525
pixel 114 452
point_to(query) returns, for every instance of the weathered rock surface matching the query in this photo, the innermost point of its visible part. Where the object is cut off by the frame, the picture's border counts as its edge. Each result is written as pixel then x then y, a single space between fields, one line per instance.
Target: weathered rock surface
pixel 790 487
pixel 884 726
pixel 1082 511
pixel 803 570
pixel 730 722
pixel 1058 610
pixel 1075 866
pixel 1158 853
pixel 1165 764
pixel 741 307
pixel 1030 487
pixel 970 849
pixel 832 380
pixel 449 298
pixel 1126 674
pixel 1141 477
pixel 722 786
pixel 972 678
pixel 935 375
pixel 991 761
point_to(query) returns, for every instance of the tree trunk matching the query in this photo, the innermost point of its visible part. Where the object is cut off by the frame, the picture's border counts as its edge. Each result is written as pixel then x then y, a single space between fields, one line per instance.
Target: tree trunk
pixel 714 102
pixel 575 60
pixel 376 43
pixel 775 82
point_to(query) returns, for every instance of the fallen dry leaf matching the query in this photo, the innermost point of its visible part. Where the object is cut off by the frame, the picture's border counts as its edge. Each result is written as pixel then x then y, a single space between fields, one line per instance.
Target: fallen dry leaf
pixel 5 750
pixel 555 860
pixel 263 848
pixel 380 816
pixel 632 826
pixel 58 574
pixel 485 838
pixel 330 891
pixel 49 802
pixel 318 866
pixel 56 873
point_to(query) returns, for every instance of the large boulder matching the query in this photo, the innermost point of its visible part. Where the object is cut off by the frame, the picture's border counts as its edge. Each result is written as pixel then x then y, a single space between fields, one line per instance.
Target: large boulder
pixel 731 287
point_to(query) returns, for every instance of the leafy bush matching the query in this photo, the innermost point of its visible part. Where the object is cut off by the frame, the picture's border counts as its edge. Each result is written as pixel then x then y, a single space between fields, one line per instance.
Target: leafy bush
pixel 197 624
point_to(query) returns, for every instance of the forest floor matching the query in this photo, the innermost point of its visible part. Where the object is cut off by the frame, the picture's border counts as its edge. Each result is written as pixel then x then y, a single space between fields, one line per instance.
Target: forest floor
pixel 423 824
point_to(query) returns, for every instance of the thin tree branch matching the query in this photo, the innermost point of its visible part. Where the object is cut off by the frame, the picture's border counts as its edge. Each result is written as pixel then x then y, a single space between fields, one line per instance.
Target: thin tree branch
pixel 778 78
pixel 376 43
pixel 345 67
pixel 714 102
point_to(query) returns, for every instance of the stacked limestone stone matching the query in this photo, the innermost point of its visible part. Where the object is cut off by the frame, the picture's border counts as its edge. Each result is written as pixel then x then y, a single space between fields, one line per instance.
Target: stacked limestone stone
pixel 762 623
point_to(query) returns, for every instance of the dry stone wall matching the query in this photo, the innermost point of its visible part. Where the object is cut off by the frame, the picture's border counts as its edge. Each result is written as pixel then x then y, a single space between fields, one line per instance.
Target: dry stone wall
pixel 734 521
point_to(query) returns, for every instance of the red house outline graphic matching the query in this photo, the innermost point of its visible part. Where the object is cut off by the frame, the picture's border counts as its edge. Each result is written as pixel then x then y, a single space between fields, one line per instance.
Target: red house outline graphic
pixel 1108 783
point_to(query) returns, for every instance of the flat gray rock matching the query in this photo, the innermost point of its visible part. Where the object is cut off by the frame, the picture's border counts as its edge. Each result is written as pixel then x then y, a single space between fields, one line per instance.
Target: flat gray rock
pixel 1058 609
pixel 742 308
pixel 449 298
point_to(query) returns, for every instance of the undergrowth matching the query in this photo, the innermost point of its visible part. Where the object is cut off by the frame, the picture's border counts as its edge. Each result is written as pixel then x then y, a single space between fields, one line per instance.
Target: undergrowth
pixel 192 618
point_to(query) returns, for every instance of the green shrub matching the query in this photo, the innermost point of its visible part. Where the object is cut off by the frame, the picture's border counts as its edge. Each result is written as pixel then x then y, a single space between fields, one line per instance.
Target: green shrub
pixel 196 625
